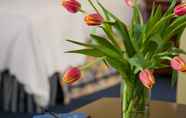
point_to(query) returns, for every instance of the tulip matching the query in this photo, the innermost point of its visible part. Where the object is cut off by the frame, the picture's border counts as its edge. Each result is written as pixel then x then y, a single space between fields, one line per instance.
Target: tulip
pixel 93 19
pixel 180 10
pixel 72 6
pixel 129 3
pixel 177 63
pixel 147 78
pixel 72 75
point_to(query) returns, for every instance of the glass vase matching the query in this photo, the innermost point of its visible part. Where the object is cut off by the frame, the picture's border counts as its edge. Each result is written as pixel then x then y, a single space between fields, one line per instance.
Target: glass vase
pixel 135 100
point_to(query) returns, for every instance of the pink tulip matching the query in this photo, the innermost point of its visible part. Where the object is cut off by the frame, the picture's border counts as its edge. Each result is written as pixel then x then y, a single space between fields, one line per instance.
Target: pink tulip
pixel 147 78
pixel 177 63
pixel 93 19
pixel 180 10
pixel 72 75
pixel 72 6
pixel 129 3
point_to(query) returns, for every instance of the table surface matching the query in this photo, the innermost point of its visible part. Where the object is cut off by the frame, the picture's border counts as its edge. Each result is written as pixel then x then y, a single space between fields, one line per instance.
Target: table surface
pixel 111 108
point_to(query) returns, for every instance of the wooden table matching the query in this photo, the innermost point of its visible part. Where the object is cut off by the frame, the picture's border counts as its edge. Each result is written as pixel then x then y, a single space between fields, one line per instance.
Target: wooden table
pixel 111 108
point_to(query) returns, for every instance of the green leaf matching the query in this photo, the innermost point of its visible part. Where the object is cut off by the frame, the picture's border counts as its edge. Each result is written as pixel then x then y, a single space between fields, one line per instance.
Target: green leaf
pixel 82 44
pixel 102 48
pixel 105 46
pixel 175 31
pixel 157 65
pixel 122 30
pixel 177 51
pixel 157 39
pixel 174 78
pixel 107 27
pixel 121 66
pixel 170 53
pixel 88 52
pixel 102 41
pixel 166 46
pixel 138 62
pixel 137 31
pixel 154 18
pixel 176 23
pixel 170 9
pixel 153 10
pixel 109 34
pixel 150 47
pixel 158 25
pixel 137 16
pixel 170 1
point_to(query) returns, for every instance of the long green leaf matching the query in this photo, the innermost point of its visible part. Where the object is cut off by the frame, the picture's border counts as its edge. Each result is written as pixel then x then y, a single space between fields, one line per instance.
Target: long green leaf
pixel 175 31
pixel 157 27
pixel 137 61
pixel 174 78
pixel 123 31
pixel 119 65
pixel 170 9
pixel 154 18
pixel 88 52
pixel 104 42
pixel 107 28
pixel 109 34
pixel 178 21
pixel 107 51
pixel 153 10
pixel 81 44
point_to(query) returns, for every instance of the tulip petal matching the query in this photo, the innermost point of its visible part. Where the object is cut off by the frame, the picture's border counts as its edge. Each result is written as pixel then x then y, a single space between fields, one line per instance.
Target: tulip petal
pixel 93 19
pixel 180 9
pixel 71 75
pixel 178 64
pixel 72 6
pixel 147 78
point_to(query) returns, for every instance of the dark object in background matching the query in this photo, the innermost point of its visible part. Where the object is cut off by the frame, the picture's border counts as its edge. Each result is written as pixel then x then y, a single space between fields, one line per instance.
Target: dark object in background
pixel 14 98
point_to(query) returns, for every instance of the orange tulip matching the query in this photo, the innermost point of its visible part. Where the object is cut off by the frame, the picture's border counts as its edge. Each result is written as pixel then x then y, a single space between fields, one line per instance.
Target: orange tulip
pixel 72 6
pixel 93 19
pixel 147 78
pixel 177 63
pixel 180 9
pixel 72 75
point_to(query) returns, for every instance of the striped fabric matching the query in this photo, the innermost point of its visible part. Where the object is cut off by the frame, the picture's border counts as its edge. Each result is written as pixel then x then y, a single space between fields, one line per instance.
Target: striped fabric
pixel 13 97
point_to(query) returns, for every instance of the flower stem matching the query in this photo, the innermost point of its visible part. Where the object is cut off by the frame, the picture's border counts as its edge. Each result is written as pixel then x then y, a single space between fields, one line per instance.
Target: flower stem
pixel 88 65
pixel 93 6
pixel 82 11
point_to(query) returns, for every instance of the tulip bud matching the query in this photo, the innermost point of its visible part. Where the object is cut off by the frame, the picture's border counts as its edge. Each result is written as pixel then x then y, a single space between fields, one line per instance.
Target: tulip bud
pixel 72 6
pixel 177 63
pixel 147 78
pixel 129 3
pixel 180 10
pixel 72 75
pixel 93 19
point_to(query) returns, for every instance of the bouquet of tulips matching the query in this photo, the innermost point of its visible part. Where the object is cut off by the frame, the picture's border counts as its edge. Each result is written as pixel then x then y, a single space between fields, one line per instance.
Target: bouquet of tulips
pixel 135 51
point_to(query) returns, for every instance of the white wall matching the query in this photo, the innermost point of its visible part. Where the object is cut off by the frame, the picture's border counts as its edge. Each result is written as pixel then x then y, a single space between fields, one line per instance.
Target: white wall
pixel 181 89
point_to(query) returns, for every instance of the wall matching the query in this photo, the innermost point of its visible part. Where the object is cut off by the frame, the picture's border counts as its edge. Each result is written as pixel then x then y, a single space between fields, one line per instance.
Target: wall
pixel 181 90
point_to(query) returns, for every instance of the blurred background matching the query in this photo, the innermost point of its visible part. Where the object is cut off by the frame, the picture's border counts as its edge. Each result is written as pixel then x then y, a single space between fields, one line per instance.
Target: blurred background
pixel 32 58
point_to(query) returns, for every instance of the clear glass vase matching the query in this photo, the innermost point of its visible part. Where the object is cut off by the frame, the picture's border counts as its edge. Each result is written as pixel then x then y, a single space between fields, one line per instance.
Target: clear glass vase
pixel 135 100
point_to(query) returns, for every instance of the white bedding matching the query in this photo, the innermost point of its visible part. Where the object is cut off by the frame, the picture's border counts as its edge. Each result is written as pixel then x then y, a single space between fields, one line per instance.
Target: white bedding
pixel 32 40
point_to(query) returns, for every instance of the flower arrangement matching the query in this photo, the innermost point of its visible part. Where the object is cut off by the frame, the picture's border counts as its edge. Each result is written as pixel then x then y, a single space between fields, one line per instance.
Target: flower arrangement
pixel 135 51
